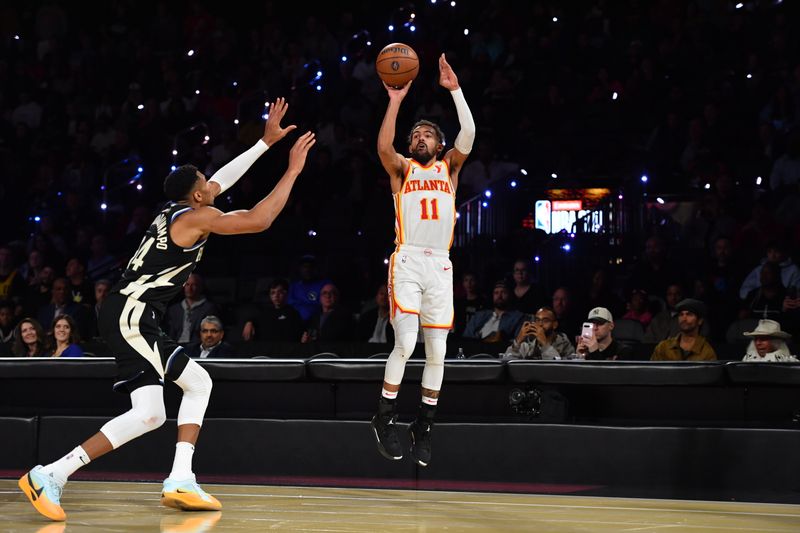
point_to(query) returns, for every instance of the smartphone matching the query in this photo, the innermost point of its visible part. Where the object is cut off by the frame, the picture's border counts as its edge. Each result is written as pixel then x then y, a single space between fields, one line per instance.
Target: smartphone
pixel 587 332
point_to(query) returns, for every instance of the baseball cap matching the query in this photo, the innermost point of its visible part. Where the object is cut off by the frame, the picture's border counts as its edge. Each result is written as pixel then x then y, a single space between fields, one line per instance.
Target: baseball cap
pixel 601 315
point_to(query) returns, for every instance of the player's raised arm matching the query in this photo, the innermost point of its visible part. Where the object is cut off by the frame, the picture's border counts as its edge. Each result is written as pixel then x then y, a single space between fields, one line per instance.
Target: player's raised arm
pixel 462 146
pixel 228 175
pixel 394 163
pixel 264 213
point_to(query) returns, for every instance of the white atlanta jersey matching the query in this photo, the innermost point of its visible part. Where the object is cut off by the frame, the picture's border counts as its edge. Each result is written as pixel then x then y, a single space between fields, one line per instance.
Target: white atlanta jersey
pixel 425 207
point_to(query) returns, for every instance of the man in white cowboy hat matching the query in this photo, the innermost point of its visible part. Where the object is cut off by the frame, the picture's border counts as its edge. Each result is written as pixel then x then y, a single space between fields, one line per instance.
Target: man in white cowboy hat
pixel 768 344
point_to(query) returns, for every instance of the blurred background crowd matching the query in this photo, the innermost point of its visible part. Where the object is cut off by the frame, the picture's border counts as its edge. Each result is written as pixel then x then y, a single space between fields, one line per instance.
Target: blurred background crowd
pixel 687 111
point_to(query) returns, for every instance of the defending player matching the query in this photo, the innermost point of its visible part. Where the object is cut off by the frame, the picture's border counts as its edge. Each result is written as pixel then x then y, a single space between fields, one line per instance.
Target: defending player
pixel 129 321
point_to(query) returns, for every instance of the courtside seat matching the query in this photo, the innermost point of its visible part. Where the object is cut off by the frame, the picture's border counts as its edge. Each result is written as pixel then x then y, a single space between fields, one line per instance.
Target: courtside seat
pixel 348 369
pixel 763 373
pixel 616 372
pixel 255 370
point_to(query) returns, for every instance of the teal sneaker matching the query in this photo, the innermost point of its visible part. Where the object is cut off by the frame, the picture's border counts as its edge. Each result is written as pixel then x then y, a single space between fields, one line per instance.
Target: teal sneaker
pixel 186 495
pixel 44 492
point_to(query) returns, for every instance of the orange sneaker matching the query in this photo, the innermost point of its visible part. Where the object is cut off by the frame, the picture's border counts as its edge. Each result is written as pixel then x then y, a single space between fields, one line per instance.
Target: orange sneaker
pixel 44 492
pixel 186 495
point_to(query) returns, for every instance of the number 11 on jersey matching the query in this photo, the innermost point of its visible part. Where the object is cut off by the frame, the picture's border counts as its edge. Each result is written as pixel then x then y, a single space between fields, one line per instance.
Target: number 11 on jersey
pixel 434 210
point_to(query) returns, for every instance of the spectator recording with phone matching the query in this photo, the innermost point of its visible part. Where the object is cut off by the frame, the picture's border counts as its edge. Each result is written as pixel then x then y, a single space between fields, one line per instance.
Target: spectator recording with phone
pixel 596 342
pixel 538 339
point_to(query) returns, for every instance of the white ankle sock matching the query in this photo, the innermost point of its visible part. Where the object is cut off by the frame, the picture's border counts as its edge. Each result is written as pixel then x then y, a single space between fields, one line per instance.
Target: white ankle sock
pixel 182 466
pixel 67 465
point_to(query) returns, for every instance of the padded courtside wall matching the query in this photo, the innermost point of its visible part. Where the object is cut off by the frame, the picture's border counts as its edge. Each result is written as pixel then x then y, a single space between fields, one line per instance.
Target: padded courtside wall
pixel 676 458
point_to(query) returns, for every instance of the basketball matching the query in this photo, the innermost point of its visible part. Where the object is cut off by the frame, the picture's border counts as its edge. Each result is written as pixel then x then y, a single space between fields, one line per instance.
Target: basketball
pixel 397 64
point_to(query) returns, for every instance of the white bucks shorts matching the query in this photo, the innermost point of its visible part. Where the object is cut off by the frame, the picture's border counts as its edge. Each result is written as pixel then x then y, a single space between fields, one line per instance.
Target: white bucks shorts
pixel 421 283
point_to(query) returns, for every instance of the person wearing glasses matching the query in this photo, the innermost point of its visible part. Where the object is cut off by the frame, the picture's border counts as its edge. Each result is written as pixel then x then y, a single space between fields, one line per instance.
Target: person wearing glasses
pixel 211 344
pixel 538 339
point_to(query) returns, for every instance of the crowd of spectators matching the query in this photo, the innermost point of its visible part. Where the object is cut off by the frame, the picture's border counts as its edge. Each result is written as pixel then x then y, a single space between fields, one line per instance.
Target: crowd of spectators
pixel 703 97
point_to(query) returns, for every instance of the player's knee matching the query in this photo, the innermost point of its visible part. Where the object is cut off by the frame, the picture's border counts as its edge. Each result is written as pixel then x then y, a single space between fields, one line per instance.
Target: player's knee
pixel 195 380
pixel 152 418
pixel 404 344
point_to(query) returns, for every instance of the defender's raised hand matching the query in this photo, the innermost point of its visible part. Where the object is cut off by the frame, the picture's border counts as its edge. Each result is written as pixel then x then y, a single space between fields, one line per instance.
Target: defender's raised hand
pixel 298 153
pixel 273 132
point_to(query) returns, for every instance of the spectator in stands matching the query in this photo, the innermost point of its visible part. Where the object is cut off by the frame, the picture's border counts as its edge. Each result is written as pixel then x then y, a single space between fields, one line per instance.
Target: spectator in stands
pixel 638 308
pixel 688 345
pixel 64 339
pixel 373 325
pixel 211 344
pixel 12 286
pixel 6 328
pixel 539 338
pixel 600 293
pixel 789 272
pixel 766 300
pixel 527 296
pixel 183 318
pixel 101 290
pixel 31 269
pixel 304 294
pixel 39 293
pixel 601 345
pixel 655 270
pixel 29 339
pixel 80 287
pixel 497 324
pixel 332 322
pixel 567 311
pixel 61 304
pixel 484 169
pixel 768 344
pixel 723 274
pixel 465 306
pixel 665 323
pixel 275 321
pixel 101 264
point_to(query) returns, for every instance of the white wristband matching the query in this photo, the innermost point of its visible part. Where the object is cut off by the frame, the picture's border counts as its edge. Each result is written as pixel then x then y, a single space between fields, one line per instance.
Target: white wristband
pixel 229 174
pixel 466 136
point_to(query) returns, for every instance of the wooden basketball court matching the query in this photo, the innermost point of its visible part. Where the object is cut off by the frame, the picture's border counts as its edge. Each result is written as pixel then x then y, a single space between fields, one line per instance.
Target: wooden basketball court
pixel 134 506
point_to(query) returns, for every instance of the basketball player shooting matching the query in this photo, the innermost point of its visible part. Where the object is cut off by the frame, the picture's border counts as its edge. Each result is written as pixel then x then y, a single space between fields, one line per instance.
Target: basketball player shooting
pixel 129 321
pixel 420 272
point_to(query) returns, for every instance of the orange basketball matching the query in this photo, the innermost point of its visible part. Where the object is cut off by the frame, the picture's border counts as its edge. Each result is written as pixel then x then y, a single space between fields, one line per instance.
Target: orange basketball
pixel 397 64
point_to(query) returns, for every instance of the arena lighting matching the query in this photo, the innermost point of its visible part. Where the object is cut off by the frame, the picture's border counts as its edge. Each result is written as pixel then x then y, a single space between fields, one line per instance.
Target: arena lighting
pixel 103 206
pixel 619 197
pixel 660 200
pixel 139 169
pixel 235 84
pixel 644 178
pixel 614 95
pixel 566 247
pixel 391 27
pixel 513 184
pixel 190 53
pixel 555 19
pixel 140 107
pixel 749 76
pixel 536 258
pixel 385 261
pixel 452 4
pixel 344 59
pixel 236 121
pixel 37 218
pixel 139 187
pixel 173 167
pixel 758 180
pixel 312 233
pixel 485 204
pixel 523 172
pixel 554 175
pixel 707 186
pixel 466 31
pixel 197 91
pixel 739 5
pixel 174 152
pixel 458 215
pixel 16 37
pixel 487 193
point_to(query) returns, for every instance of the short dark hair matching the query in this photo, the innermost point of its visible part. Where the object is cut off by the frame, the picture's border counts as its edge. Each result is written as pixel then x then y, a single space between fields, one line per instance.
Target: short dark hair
pixel 279 282
pixel 180 182
pixel 436 129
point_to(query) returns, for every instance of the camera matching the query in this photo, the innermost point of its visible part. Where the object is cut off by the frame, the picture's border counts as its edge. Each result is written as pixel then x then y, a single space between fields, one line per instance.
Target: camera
pixel 526 402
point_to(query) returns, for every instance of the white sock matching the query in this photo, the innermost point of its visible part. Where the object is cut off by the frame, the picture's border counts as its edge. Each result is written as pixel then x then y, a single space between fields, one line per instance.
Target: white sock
pixel 182 466
pixel 67 465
